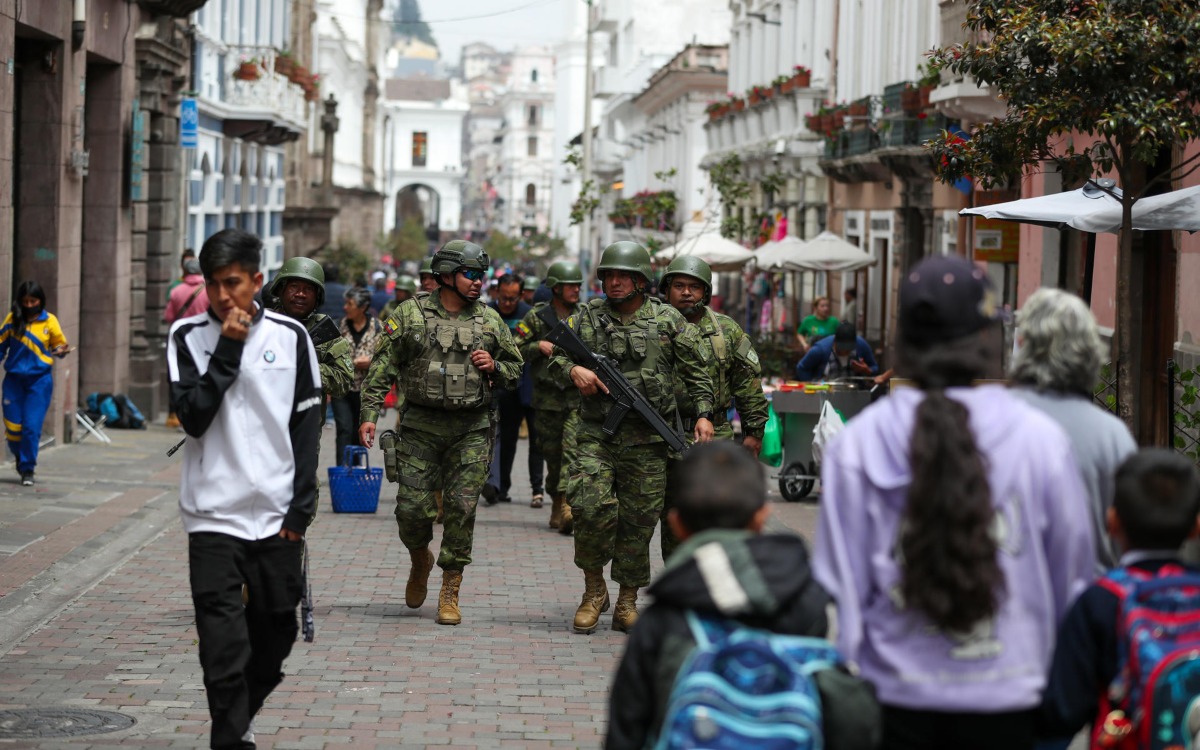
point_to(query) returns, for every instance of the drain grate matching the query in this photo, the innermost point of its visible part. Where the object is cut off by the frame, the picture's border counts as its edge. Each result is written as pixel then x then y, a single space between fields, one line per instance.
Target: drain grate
pixel 30 723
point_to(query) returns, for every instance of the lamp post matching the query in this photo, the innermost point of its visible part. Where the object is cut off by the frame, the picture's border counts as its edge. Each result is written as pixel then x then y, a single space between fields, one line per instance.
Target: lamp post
pixel 585 243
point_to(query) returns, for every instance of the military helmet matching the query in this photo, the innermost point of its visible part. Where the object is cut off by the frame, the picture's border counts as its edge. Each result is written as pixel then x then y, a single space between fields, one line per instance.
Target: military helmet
pixel 305 269
pixel 407 283
pixel 457 254
pixel 626 255
pixel 530 284
pixel 427 266
pixel 563 272
pixel 689 265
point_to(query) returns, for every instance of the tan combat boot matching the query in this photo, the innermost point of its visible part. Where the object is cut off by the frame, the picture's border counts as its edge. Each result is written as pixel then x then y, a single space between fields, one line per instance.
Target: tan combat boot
pixel 625 616
pixel 448 612
pixel 567 524
pixel 556 505
pixel 418 578
pixel 595 601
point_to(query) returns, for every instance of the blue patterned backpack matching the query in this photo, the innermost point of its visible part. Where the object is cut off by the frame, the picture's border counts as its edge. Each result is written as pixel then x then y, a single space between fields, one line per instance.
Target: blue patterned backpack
pixel 744 688
pixel 1154 701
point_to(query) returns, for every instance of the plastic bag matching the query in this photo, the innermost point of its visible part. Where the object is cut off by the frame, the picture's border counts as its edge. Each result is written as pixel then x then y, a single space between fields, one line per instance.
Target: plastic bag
pixel 829 425
pixel 772 442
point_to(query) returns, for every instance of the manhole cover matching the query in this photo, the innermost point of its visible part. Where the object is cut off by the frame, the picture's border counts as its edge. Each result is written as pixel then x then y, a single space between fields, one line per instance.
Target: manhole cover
pixel 28 723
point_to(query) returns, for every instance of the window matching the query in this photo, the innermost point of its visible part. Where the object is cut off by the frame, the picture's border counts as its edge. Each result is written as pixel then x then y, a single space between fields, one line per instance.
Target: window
pixel 530 194
pixel 532 145
pixel 534 112
pixel 420 148
pixel 533 76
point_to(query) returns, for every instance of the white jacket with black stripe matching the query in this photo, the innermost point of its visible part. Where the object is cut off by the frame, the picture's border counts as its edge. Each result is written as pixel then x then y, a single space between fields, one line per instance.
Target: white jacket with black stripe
pixel 252 414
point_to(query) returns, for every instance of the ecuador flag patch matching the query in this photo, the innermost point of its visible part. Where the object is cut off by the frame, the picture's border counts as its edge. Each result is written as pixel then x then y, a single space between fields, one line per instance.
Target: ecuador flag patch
pixel 522 330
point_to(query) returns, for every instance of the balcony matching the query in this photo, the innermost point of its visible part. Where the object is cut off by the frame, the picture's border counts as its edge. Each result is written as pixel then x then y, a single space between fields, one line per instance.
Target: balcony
pixel 174 8
pixel 962 98
pixel 757 129
pixel 270 110
pixel 607 82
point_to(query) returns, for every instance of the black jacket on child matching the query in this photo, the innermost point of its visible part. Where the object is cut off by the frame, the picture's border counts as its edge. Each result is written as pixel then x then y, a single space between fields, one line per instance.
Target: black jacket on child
pixel 761 580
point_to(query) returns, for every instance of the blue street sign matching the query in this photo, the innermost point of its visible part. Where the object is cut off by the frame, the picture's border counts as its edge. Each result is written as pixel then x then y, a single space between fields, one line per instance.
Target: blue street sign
pixel 189 122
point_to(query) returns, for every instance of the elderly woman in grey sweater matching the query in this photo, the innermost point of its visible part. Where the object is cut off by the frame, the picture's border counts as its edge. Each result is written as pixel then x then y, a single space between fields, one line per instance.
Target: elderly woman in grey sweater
pixel 1055 369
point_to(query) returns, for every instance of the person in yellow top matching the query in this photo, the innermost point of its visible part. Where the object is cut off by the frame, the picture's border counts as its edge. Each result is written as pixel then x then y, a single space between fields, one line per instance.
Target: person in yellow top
pixel 29 337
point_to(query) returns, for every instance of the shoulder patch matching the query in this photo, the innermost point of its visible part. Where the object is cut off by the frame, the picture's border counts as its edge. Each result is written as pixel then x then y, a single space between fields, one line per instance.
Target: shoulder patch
pixel 522 330
pixel 389 325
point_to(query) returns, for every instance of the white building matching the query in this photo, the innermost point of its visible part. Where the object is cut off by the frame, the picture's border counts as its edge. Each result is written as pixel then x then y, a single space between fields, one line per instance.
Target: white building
pixel 423 138
pixel 247 112
pixel 570 70
pixel 639 39
pixel 527 155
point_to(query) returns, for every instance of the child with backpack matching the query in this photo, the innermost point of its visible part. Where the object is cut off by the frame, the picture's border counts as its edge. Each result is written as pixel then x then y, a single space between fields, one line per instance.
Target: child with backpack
pixel 1127 659
pixel 727 583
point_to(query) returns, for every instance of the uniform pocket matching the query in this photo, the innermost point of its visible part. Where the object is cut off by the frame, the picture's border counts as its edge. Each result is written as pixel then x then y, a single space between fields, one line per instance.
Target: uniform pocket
pixel 434 382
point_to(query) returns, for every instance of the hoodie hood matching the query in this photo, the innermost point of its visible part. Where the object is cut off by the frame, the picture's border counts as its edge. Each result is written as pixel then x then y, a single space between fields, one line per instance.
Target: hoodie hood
pixel 740 574
pixel 994 415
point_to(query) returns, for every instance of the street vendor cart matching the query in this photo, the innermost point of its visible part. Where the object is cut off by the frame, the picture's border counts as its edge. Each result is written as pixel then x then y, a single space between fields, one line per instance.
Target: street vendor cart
pixel 799 409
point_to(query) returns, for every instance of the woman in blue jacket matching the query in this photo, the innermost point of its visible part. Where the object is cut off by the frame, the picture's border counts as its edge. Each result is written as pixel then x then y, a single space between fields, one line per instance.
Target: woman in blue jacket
pixel 29 337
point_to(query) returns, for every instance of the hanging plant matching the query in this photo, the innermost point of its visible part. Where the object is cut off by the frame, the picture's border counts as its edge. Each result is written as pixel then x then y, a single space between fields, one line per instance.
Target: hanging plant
pixel 248 70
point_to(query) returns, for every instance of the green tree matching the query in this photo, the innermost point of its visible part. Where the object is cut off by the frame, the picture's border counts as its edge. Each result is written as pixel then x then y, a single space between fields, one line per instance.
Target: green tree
pixel 500 247
pixel 407 23
pixel 353 264
pixel 732 188
pixel 406 243
pixel 1091 87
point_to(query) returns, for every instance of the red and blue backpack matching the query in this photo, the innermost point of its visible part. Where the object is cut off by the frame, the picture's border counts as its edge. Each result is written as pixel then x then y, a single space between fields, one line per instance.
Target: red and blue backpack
pixel 1154 701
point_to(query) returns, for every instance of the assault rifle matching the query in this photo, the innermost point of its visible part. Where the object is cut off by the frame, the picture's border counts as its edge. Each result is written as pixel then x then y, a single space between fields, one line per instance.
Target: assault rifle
pixel 625 397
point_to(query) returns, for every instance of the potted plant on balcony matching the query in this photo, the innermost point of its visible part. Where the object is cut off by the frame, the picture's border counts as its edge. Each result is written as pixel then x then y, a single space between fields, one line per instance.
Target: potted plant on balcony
pixel 910 98
pixel 860 107
pixel 298 74
pixel 837 116
pixel 801 77
pixel 312 92
pixel 759 94
pixel 716 110
pixel 737 102
pixel 284 62
pixel 248 70
pixel 931 77
pixel 782 84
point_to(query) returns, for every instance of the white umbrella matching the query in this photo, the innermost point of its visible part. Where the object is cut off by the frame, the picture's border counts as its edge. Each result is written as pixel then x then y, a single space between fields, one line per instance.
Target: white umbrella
pixel 719 253
pixel 778 254
pixel 828 252
pixel 1092 209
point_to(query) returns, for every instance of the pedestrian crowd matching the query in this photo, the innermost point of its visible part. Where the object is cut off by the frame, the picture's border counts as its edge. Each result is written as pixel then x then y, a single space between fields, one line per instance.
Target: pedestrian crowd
pixel 983 554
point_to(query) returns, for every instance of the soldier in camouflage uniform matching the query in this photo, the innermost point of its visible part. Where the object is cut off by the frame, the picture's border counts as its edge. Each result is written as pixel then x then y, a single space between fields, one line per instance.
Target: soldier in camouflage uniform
pixel 732 364
pixel 621 479
pixel 447 351
pixel 553 399
pixel 427 277
pixel 300 290
pixel 406 289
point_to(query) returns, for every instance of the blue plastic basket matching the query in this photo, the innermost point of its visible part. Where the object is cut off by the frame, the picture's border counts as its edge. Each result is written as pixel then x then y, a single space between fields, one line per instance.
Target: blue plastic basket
pixel 354 486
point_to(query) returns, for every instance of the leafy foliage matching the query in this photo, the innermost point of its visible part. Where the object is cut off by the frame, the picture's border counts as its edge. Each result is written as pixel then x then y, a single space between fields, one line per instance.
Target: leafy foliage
pixel 1124 72
pixel 500 247
pixel 1186 428
pixel 732 188
pixel 406 243
pixel 353 264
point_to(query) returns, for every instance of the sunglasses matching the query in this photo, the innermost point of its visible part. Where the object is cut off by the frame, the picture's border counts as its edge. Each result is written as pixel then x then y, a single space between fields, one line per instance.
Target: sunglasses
pixel 471 274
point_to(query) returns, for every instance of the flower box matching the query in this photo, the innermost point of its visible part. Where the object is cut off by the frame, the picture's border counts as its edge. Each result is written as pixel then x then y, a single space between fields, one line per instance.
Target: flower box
pixel 925 91
pixel 248 71
pixel 739 105
pixel 910 100
pixel 860 107
pixel 284 64
pixel 802 77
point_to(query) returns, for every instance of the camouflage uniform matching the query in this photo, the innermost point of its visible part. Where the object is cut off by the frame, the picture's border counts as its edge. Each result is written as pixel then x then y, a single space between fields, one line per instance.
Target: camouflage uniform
pixel 445 445
pixel 553 399
pixel 620 481
pixel 736 375
pixel 333 360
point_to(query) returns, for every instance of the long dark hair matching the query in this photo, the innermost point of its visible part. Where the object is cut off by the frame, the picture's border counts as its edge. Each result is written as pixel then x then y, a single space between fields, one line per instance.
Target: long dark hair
pixel 950 570
pixel 27 289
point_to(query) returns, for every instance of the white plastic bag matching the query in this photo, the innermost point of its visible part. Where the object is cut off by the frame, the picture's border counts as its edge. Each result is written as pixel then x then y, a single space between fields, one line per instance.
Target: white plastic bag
pixel 829 425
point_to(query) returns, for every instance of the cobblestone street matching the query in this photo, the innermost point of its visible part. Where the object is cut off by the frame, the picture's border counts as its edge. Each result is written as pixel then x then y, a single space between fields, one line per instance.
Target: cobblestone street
pixel 97 615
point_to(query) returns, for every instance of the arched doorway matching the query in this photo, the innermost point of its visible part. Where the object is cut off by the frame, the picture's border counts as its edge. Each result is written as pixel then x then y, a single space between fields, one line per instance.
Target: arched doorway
pixel 420 204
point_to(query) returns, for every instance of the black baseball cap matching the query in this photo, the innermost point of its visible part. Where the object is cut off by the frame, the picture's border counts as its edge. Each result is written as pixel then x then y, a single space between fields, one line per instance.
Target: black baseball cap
pixel 943 298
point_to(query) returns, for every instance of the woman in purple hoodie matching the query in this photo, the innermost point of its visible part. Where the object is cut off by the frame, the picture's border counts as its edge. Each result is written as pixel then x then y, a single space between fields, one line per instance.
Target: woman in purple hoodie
pixel 954 531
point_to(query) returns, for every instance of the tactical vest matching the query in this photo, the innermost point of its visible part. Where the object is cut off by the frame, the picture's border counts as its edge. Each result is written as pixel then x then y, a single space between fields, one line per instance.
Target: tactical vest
pixel 638 348
pixel 443 376
pixel 710 328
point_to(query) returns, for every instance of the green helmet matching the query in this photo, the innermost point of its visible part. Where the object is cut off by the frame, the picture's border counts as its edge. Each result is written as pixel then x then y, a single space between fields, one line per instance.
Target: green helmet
pixel 689 265
pixel 427 266
pixel 406 283
pixel 626 256
pixel 457 254
pixel 563 272
pixel 530 284
pixel 305 269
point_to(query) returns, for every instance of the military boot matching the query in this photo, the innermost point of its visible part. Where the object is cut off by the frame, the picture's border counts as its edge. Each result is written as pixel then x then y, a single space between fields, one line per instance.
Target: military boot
pixel 567 522
pixel 595 601
pixel 448 612
pixel 418 578
pixel 556 505
pixel 625 616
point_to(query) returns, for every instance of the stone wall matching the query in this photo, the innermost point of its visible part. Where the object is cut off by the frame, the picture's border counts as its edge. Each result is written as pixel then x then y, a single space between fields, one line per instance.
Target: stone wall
pixel 360 217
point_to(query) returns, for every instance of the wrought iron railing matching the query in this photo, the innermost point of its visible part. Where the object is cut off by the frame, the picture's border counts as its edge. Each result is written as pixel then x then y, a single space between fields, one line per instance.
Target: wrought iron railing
pixel 1183 394
pixel 1105 392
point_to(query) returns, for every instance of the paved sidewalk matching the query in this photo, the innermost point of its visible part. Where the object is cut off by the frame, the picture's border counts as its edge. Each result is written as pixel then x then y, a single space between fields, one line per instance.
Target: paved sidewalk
pixel 97 553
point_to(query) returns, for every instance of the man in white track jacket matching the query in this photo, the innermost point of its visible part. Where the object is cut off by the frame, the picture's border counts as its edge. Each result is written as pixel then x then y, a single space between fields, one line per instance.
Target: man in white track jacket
pixel 247 392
